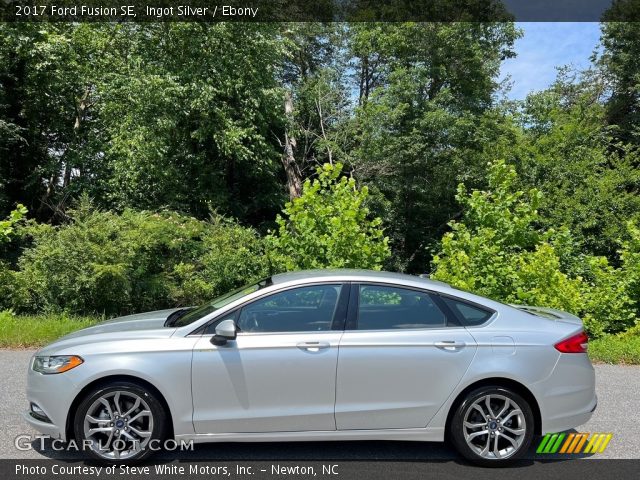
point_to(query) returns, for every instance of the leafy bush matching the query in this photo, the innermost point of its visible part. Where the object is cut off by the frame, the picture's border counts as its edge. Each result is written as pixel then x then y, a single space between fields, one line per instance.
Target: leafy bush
pixel 328 226
pixel 106 263
pixel 12 289
pixel 9 289
pixel 232 256
pixel 630 257
pixel 608 306
pixel 498 251
pixel 7 226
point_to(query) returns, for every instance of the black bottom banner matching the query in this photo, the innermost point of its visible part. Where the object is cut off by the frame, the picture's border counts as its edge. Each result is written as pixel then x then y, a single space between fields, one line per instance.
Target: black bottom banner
pixel 344 470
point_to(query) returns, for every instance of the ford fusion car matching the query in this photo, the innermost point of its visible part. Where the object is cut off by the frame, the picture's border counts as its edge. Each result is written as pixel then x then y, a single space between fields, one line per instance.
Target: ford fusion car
pixel 319 355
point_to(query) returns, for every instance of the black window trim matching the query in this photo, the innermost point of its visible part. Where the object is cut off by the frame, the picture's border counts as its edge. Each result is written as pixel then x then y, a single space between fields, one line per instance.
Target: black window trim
pixel 336 323
pixel 346 314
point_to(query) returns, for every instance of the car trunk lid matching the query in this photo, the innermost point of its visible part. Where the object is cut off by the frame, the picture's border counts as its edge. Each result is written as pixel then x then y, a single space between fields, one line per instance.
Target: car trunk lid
pixel 550 313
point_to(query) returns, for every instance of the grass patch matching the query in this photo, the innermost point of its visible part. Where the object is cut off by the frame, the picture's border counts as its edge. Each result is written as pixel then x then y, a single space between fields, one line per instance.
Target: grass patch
pixel 621 349
pixel 20 331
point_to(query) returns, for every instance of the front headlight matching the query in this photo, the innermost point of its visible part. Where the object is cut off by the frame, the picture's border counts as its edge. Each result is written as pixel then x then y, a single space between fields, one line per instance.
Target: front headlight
pixel 56 363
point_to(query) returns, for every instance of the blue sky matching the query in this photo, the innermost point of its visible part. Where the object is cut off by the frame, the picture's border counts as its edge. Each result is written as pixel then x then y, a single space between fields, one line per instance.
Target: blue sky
pixel 544 47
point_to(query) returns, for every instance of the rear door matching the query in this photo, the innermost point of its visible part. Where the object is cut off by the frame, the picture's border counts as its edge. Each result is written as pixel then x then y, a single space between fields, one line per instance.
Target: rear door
pixel 400 358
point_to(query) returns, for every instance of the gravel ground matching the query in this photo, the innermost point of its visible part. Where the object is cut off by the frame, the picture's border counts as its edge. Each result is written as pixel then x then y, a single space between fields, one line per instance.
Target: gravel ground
pixel 618 389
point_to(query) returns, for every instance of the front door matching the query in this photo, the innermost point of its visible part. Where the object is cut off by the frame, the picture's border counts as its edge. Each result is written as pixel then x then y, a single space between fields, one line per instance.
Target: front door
pixel 279 374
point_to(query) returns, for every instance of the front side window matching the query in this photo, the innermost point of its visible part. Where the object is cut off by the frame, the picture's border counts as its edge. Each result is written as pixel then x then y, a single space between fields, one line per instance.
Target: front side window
pixel 388 308
pixel 303 309
pixel 188 316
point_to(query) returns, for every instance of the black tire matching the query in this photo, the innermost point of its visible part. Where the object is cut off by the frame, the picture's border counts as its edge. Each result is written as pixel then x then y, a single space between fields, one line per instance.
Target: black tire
pixel 515 422
pixel 155 422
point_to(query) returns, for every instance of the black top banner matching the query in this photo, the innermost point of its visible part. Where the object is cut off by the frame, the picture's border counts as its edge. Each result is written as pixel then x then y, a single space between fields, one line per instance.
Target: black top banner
pixel 320 10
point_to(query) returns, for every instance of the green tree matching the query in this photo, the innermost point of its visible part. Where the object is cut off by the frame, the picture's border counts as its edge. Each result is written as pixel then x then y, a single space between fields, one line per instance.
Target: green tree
pixel 192 112
pixel 564 150
pixel 42 80
pixel 420 127
pixel 619 64
pixel 316 99
pixel 183 116
pixel 328 226
pixel 497 250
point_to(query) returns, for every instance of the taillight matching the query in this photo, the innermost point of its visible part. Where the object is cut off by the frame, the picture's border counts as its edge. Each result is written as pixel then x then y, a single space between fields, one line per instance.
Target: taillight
pixel 575 344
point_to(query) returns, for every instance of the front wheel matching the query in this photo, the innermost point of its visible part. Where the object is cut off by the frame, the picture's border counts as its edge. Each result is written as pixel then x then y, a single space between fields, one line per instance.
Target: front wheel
pixel 119 422
pixel 493 426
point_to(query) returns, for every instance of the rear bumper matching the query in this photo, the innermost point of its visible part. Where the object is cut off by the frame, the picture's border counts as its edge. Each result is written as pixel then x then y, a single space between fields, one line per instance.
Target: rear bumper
pixel 567 398
pixel 562 423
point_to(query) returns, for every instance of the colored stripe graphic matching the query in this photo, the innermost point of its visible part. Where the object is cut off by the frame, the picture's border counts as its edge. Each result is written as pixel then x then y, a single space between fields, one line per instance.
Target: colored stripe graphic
pixel 573 443
pixel 544 441
pixel 580 439
pixel 556 445
pixel 592 443
pixel 567 443
pixel 582 442
pixel 606 442
pixel 598 443
pixel 552 439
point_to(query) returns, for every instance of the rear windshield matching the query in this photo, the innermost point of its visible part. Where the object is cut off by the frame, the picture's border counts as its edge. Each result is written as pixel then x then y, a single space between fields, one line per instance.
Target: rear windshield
pixel 188 316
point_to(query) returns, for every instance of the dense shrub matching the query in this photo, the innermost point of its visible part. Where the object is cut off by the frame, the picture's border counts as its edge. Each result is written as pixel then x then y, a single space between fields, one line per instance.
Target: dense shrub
pixel 9 284
pixel 7 226
pixel 13 292
pixel 106 263
pixel 498 251
pixel 328 226
pixel 232 256
pixel 630 256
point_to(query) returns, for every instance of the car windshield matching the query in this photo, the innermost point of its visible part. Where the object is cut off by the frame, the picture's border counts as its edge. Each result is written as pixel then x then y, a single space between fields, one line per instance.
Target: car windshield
pixel 184 317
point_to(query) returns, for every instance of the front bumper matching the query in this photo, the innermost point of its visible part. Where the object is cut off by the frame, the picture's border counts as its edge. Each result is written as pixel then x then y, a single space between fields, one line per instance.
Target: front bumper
pixel 54 394
pixel 44 427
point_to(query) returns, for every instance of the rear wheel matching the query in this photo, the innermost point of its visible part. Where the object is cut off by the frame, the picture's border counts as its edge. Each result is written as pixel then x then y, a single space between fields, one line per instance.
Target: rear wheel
pixel 493 426
pixel 119 422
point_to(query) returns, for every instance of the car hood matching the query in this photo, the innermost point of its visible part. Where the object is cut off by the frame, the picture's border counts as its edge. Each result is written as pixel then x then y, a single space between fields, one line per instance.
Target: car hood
pixel 550 313
pixel 141 325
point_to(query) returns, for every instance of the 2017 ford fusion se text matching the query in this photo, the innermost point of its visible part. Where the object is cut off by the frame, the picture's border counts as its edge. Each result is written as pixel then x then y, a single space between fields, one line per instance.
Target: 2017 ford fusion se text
pixel 319 355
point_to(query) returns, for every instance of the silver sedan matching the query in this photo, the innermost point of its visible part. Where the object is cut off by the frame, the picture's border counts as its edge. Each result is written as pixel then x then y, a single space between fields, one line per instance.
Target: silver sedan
pixel 319 355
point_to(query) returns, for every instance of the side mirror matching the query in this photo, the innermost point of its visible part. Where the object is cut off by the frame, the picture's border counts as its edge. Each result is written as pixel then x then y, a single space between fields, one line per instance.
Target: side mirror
pixel 225 331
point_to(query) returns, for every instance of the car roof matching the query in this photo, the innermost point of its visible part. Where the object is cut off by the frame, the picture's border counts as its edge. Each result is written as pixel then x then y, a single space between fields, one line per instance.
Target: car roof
pixel 353 274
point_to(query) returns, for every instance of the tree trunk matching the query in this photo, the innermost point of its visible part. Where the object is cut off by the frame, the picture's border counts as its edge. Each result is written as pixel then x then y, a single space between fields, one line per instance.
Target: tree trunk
pixel 81 109
pixel 291 168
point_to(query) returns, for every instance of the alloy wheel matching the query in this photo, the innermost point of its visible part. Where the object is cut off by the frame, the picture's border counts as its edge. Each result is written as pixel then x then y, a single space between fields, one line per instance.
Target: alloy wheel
pixel 494 427
pixel 118 424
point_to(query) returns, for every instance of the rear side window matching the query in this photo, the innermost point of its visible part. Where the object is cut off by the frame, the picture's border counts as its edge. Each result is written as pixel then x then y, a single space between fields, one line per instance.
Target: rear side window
pixel 469 314
pixel 386 308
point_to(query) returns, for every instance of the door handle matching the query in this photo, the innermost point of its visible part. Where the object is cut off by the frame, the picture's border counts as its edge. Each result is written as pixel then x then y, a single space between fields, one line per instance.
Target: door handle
pixel 313 346
pixel 450 345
